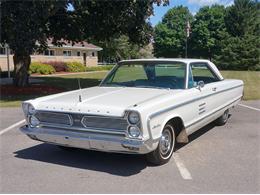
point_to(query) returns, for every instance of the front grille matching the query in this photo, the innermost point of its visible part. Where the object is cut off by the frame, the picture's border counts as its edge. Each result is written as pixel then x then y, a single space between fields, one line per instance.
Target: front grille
pixel 54 118
pixel 104 122
pixel 80 122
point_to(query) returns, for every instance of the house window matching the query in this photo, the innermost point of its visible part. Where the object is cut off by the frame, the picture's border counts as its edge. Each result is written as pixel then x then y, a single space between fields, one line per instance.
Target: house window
pixel 78 53
pixel 49 52
pixel 93 54
pixel 2 50
pixel 66 53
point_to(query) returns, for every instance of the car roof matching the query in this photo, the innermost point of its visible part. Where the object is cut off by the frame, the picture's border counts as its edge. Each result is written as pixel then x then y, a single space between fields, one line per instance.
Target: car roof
pixel 184 60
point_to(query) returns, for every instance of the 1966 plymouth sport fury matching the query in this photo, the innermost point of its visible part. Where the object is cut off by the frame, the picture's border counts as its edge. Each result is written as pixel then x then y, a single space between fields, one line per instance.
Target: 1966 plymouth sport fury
pixel 141 107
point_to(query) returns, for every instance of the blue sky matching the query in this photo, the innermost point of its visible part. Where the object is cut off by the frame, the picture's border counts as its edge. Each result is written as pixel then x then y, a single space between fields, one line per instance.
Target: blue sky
pixel 193 6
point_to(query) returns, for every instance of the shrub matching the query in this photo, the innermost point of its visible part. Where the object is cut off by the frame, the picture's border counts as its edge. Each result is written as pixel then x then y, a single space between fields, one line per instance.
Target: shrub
pixel 40 68
pixel 75 67
pixel 99 68
pixel 59 66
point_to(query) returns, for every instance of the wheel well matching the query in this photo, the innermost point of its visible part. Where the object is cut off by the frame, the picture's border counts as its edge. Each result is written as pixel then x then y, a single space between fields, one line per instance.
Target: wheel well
pixel 177 123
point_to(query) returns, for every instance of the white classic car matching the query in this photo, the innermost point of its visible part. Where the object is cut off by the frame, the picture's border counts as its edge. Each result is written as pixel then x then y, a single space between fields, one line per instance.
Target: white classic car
pixel 142 106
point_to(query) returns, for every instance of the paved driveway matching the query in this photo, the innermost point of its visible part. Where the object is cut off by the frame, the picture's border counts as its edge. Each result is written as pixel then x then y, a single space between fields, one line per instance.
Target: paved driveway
pixel 222 159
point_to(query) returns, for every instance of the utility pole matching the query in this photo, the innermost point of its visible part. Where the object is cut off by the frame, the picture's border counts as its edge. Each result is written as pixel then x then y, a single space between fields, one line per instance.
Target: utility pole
pixel 186 48
pixel 187 36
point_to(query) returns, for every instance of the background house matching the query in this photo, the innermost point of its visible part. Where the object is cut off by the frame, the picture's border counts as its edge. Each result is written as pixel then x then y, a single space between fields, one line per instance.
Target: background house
pixel 83 52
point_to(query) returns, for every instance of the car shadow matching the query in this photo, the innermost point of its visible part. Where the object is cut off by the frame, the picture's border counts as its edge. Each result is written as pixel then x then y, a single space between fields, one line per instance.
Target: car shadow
pixel 115 164
pixel 197 134
pixel 112 163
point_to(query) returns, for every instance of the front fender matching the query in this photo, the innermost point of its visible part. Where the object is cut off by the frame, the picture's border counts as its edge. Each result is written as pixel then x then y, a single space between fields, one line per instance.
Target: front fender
pixel 155 124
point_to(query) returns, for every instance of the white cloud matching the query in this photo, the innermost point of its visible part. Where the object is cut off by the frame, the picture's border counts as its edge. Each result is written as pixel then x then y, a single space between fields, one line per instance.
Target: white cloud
pixel 211 2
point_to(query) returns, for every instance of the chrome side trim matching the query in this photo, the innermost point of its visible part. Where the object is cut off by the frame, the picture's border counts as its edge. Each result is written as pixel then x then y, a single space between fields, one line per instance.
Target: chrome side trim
pixel 202 112
pixel 202 104
pixel 181 104
pixel 190 101
pixel 202 108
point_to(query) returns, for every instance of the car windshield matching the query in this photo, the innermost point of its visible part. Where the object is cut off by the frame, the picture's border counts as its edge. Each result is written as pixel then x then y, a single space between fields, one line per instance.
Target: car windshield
pixel 148 75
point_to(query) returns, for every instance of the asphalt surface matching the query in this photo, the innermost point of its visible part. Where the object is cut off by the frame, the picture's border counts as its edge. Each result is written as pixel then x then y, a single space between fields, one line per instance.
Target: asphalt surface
pixel 222 159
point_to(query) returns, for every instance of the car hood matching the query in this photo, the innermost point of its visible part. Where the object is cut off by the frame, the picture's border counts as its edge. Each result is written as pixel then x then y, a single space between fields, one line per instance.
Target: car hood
pixel 112 101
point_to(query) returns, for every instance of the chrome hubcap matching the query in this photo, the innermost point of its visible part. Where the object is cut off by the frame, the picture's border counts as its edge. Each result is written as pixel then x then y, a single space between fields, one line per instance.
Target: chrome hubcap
pixel 165 142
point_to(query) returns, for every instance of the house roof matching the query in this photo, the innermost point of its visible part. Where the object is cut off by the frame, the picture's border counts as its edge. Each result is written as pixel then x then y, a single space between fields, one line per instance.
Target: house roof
pixel 76 45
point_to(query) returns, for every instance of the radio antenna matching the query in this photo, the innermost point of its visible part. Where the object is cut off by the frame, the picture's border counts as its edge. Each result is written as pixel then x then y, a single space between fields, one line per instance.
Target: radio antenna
pixel 80 99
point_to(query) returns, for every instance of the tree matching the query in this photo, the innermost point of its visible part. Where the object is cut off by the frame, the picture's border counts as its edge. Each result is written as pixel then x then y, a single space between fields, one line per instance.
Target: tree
pixel 146 51
pixel 240 46
pixel 120 48
pixel 108 19
pixel 207 30
pixel 26 25
pixel 117 49
pixel 242 18
pixel 170 34
pixel 239 53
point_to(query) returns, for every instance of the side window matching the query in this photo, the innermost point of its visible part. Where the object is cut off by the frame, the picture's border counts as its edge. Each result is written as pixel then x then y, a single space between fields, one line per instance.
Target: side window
pixel 201 72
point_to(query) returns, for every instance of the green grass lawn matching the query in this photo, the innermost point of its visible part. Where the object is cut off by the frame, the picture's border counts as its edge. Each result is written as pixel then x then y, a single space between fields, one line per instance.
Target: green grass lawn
pixel 66 83
pixel 251 82
pixel 70 82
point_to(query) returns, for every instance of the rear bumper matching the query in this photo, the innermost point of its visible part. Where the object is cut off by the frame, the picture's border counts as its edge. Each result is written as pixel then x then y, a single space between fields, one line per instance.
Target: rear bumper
pixel 90 141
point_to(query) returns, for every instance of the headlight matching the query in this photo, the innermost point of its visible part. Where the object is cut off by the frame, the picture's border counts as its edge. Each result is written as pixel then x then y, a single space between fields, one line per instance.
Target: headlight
pixel 31 109
pixel 133 118
pixel 134 131
pixel 28 109
pixel 25 108
pixel 34 121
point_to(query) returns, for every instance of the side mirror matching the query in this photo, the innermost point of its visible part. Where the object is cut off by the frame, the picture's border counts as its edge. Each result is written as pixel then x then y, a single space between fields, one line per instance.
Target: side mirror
pixel 200 85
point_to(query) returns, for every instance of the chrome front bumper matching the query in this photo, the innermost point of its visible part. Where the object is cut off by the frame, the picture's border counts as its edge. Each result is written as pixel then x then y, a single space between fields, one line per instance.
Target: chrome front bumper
pixel 90 141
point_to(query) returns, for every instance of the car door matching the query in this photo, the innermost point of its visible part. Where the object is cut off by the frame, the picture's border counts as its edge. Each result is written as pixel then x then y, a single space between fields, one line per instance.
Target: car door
pixel 204 101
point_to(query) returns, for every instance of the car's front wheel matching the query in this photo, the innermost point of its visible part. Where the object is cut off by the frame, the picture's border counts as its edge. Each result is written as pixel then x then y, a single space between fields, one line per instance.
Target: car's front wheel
pixel 165 148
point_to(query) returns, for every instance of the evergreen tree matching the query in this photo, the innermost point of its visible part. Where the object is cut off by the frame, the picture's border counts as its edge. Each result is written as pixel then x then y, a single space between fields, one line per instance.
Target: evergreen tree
pixel 240 47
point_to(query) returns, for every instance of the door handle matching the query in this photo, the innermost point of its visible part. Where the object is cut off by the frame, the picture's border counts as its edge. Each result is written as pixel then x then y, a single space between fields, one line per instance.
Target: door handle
pixel 214 89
